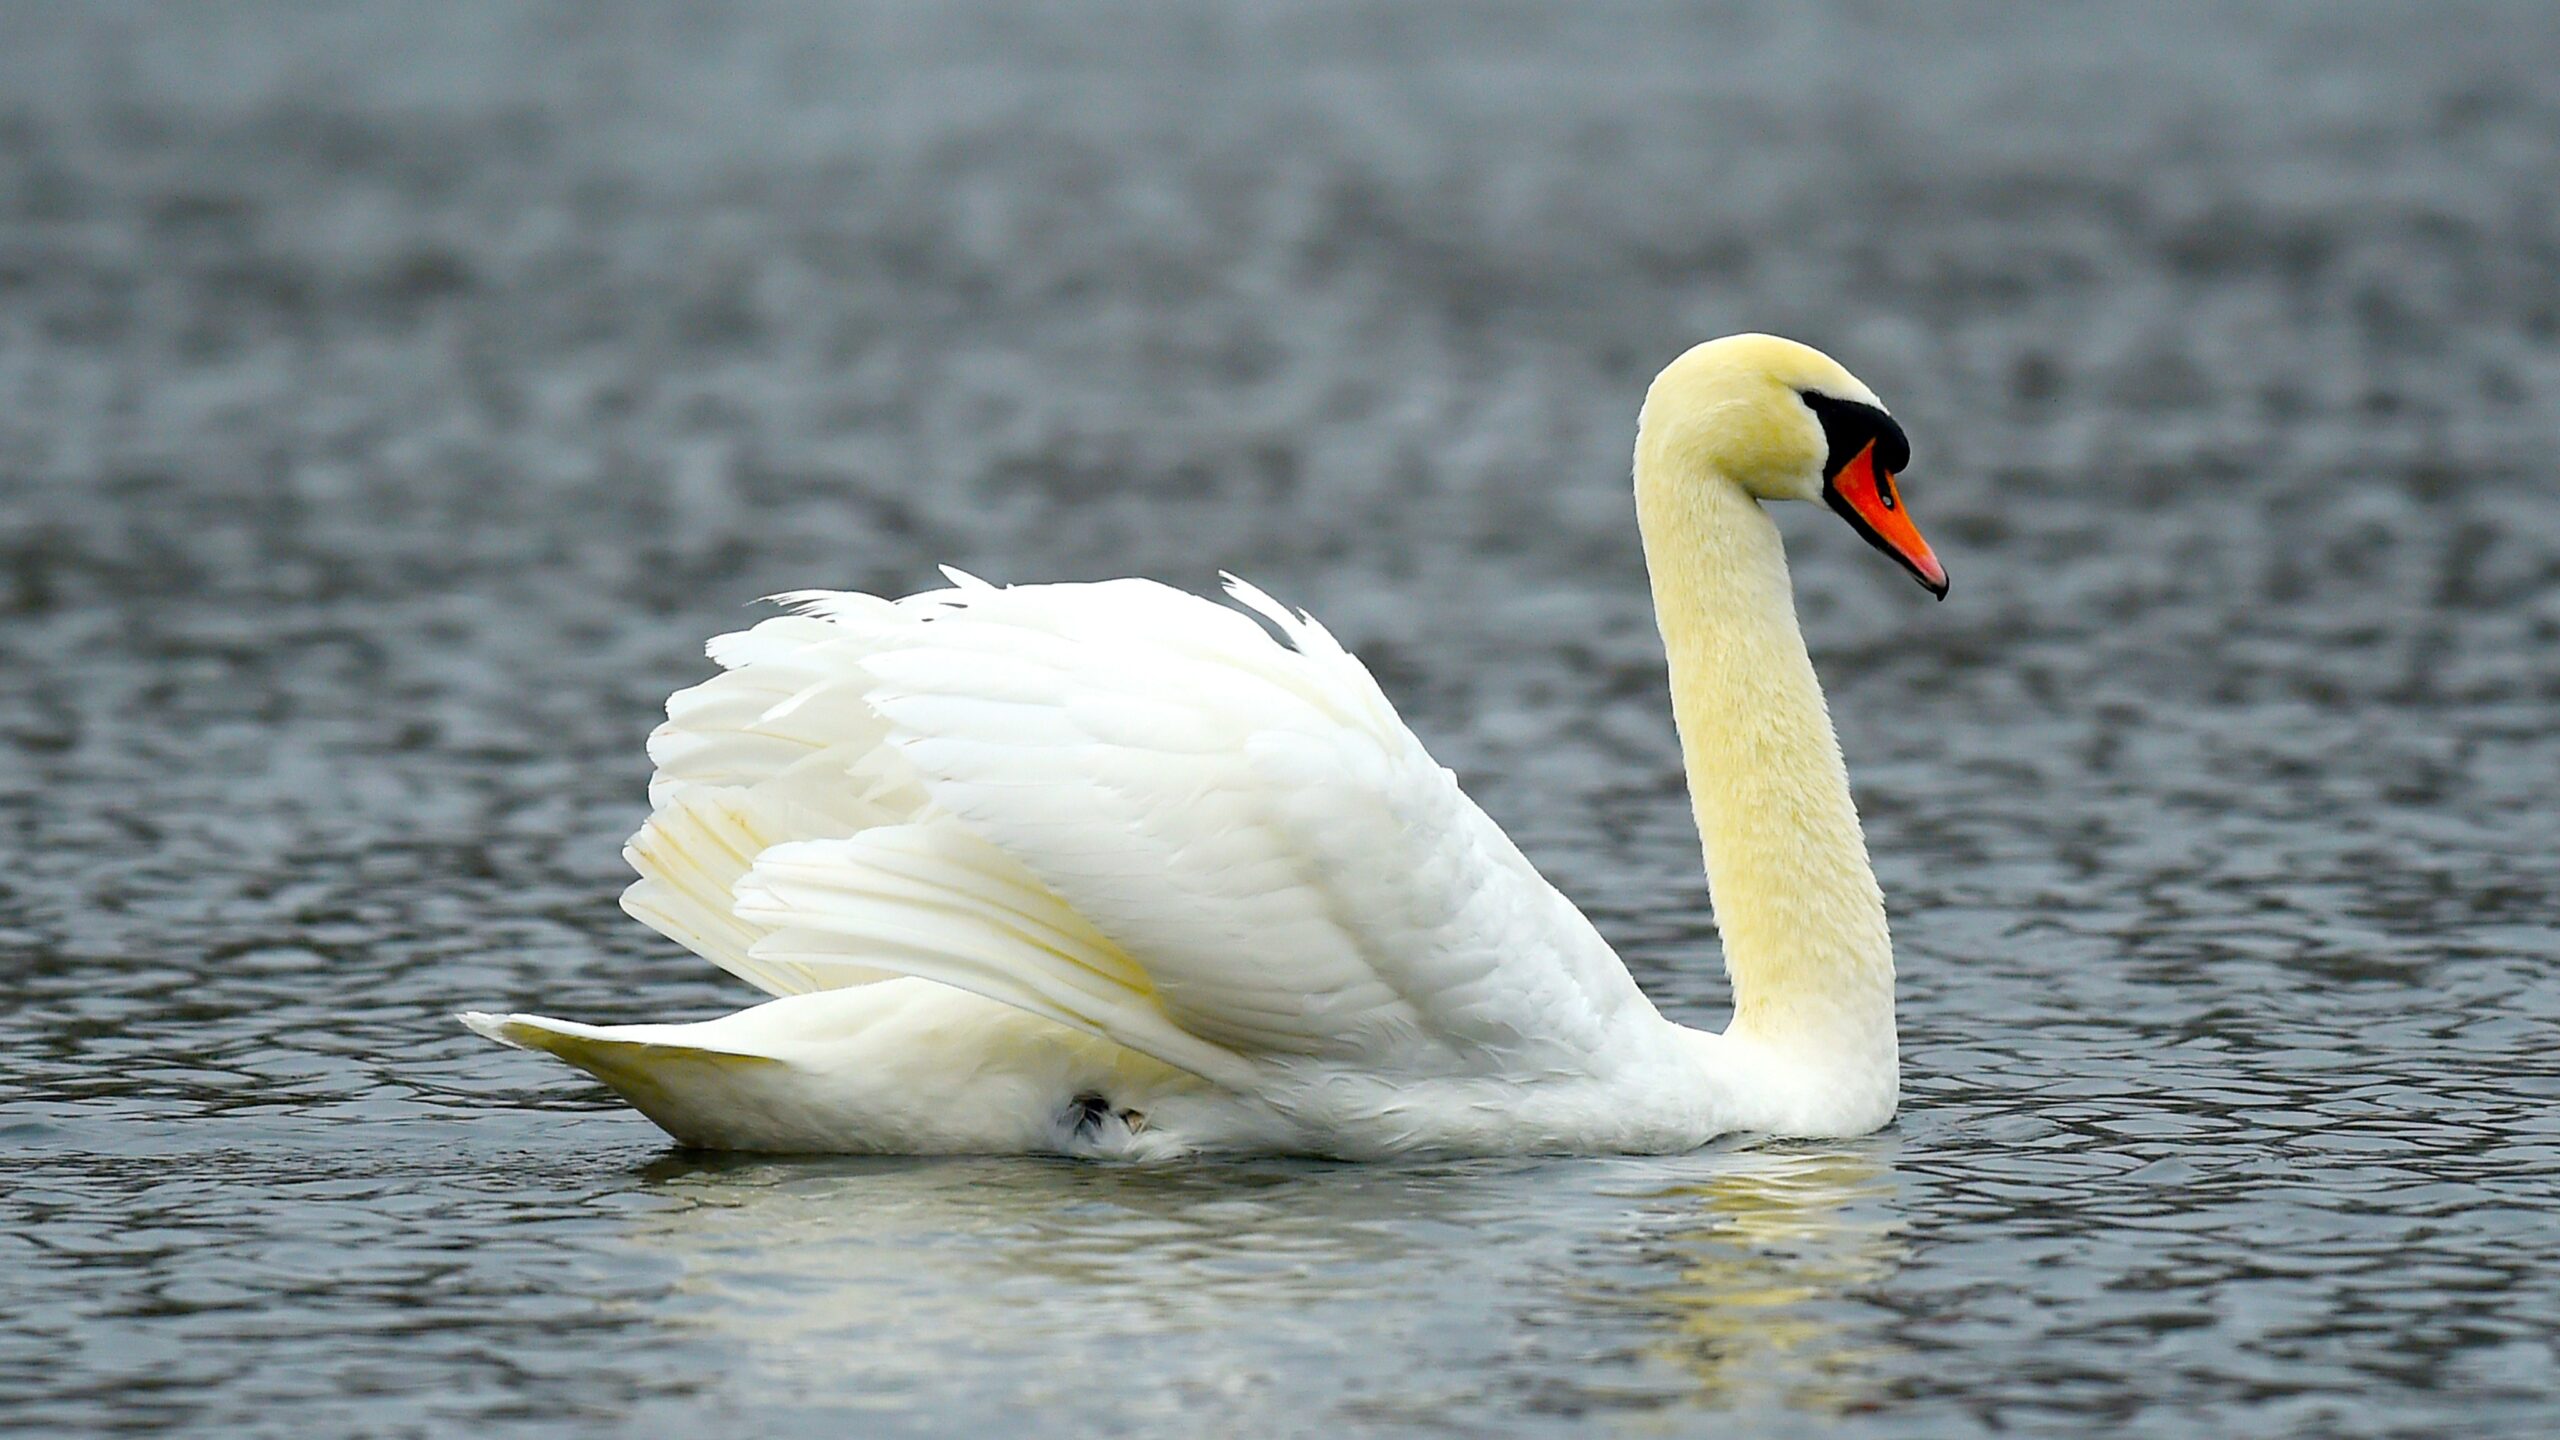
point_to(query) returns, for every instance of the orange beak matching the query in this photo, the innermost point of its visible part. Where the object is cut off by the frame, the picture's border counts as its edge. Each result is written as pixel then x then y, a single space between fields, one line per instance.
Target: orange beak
pixel 1867 499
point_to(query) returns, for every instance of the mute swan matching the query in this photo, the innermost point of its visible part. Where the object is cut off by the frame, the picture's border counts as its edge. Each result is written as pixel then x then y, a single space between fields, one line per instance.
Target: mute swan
pixel 1105 870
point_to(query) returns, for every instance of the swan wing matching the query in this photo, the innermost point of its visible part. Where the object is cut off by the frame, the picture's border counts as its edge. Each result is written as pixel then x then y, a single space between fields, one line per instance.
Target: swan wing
pixel 781 747
pixel 1259 858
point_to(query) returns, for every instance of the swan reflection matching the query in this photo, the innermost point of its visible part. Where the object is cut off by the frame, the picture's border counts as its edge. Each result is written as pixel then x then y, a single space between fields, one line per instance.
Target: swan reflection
pixel 1749 1276
pixel 1279 1291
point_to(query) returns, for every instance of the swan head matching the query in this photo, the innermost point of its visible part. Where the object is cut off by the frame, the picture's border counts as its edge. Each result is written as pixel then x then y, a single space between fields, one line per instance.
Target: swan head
pixel 1786 422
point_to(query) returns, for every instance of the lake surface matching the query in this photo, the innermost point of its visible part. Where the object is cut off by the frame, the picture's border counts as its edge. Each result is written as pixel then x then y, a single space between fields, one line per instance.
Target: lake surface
pixel 392 398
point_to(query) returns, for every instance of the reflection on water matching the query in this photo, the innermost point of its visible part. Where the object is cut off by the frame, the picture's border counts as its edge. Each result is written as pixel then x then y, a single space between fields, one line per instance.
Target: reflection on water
pixel 1718 1280
pixel 1762 1249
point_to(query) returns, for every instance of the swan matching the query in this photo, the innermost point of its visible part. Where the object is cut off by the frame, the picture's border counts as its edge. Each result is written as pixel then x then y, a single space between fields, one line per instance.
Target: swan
pixel 1107 870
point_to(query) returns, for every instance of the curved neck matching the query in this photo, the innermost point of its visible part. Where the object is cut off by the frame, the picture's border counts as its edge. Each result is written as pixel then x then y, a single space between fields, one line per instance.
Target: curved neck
pixel 1796 902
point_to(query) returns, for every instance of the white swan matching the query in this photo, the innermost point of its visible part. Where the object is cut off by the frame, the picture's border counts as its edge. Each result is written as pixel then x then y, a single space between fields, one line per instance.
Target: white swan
pixel 1105 870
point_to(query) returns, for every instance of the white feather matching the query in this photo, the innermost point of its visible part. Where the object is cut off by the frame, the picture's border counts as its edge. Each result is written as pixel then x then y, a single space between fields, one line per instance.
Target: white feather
pixel 1254 825
pixel 1121 808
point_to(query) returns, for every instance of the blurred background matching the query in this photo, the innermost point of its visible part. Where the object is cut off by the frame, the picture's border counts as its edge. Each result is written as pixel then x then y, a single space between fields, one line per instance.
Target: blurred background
pixel 393 398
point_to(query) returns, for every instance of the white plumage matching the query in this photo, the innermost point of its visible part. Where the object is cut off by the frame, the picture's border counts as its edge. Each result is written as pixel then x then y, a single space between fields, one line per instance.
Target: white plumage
pixel 1112 869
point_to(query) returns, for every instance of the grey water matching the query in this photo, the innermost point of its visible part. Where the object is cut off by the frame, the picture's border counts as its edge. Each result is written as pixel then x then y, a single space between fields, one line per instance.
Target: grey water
pixel 392 398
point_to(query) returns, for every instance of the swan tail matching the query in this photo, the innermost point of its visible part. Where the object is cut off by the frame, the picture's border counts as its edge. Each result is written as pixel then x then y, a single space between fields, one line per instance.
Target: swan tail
pixel 932 901
pixel 597 1048
pixel 694 1092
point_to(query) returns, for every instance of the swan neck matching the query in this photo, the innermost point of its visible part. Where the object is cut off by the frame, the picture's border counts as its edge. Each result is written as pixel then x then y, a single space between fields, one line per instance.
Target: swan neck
pixel 1796 902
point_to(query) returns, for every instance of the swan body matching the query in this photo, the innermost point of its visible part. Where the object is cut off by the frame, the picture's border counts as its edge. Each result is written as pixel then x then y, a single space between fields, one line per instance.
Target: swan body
pixel 1117 871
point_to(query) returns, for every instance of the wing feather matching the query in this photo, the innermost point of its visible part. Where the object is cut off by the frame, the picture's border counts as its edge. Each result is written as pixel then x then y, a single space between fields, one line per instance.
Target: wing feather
pixel 1250 822
pixel 931 900
pixel 1121 807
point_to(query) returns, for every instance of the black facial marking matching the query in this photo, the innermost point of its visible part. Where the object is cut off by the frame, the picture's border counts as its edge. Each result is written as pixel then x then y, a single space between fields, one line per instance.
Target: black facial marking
pixel 1848 426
